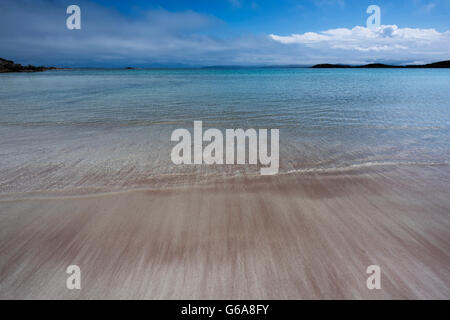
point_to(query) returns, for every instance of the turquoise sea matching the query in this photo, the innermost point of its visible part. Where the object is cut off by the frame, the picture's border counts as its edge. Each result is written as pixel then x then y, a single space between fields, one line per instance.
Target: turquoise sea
pixel 110 129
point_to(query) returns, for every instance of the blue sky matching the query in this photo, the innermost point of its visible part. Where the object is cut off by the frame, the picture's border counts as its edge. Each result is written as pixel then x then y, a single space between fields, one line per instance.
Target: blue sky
pixel 223 32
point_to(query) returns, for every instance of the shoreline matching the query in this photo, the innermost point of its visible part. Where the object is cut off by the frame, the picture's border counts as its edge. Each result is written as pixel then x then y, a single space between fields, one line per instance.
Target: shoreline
pixel 285 237
pixel 207 180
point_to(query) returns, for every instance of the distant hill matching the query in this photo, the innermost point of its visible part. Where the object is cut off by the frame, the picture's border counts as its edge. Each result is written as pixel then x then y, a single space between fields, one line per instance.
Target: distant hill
pixel 10 66
pixel 329 65
pixel 440 64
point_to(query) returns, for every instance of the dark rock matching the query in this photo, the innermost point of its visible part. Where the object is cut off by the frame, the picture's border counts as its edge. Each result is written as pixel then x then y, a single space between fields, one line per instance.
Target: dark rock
pixel 10 66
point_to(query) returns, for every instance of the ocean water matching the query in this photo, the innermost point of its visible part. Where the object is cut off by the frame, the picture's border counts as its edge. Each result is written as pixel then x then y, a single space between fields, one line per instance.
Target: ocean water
pixel 110 129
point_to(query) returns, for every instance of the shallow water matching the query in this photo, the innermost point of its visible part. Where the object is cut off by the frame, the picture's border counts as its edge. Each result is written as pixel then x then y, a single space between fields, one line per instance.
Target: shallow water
pixel 110 129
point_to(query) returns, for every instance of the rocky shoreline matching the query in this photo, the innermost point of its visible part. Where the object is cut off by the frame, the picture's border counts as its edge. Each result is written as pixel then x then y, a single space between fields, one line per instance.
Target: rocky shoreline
pixel 10 66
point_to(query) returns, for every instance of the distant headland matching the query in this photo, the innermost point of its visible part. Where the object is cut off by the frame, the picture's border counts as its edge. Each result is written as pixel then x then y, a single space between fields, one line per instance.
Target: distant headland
pixel 10 66
pixel 440 64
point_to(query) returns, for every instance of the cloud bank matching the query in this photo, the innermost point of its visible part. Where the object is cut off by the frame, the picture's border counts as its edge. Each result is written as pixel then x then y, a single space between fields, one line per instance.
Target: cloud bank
pixel 389 39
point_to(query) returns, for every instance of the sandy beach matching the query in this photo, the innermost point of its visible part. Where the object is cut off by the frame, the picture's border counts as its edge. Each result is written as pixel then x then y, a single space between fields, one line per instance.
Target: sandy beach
pixel 296 236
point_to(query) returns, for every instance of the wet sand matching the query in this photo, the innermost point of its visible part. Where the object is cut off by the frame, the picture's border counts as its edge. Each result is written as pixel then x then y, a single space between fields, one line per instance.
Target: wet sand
pixel 297 236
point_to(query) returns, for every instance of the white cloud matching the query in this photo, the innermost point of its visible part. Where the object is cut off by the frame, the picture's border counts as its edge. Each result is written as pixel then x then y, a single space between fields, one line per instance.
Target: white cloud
pixel 384 38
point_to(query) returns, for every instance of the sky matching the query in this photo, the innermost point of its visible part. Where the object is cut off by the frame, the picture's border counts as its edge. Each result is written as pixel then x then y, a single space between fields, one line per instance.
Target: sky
pixel 178 33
